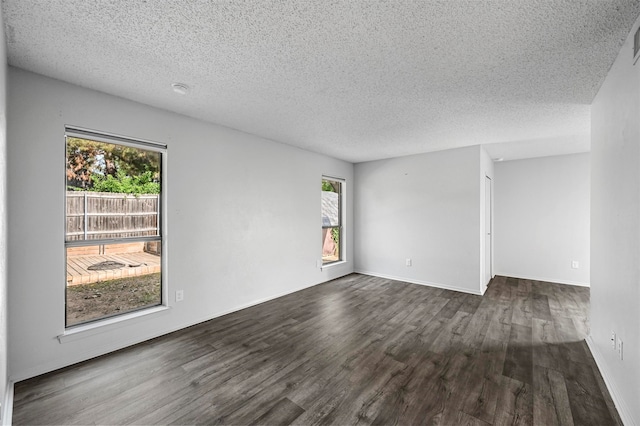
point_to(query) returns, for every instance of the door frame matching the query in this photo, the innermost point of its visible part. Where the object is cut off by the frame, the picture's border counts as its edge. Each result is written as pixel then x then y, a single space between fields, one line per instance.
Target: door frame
pixel 488 223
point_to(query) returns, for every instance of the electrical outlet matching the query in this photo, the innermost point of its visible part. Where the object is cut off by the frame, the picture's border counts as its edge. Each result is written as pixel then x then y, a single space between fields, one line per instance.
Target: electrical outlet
pixel 407 262
pixel 613 340
pixel 179 295
pixel 575 264
pixel 619 348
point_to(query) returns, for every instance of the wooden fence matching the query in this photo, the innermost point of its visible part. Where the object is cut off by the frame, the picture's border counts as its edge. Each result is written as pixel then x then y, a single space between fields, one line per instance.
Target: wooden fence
pixel 105 215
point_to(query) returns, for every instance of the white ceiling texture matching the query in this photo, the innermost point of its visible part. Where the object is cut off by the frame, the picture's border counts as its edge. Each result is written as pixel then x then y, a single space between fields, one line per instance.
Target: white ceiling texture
pixel 355 79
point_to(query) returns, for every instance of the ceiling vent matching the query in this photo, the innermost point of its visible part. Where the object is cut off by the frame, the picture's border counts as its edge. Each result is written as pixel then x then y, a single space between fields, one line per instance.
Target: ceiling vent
pixel 636 46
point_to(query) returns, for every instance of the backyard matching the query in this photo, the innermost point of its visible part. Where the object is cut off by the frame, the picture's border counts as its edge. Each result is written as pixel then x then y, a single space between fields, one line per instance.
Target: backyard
pixel 97 300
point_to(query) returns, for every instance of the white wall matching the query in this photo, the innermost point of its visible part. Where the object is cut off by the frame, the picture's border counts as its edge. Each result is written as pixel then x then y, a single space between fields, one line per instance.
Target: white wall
pixel 3 219
pixel 542 218
pixel 615 229
pixel 243 218
pixel 425 207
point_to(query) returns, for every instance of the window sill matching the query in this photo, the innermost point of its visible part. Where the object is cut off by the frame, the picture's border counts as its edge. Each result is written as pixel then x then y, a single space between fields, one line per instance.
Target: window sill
pixel 332 264
pixel 91 329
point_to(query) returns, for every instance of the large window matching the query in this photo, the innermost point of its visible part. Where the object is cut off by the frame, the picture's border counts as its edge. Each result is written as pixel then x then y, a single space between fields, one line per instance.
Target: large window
pixel 332 232
pixel 113 236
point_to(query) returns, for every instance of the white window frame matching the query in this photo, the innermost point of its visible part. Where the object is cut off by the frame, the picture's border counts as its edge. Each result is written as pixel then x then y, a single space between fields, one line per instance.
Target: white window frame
pixel 341 219
pixel 105 322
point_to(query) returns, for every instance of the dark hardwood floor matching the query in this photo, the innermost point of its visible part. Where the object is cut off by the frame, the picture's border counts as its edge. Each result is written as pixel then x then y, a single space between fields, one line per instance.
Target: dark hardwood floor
pixel 357 350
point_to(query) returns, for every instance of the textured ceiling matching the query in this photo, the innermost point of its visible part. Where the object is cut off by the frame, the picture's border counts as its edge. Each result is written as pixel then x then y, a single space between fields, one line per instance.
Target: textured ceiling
pixel 355 79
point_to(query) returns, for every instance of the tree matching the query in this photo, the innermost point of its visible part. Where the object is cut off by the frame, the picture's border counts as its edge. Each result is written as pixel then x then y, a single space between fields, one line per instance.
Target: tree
pixel 328 186
pixel 92 164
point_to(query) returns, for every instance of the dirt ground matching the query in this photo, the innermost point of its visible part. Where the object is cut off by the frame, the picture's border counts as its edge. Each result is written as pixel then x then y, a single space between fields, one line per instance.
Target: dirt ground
pixel 86 302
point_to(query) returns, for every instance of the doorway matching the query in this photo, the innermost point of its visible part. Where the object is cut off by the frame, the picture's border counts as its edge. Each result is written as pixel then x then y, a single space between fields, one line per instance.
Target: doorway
pixel 488 232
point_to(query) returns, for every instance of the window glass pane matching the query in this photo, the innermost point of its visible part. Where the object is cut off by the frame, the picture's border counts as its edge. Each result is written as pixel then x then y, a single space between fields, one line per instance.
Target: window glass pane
pixel 330 203
pixel 113 202
pixel 330 245
pixel 110 279
pixel 331 220
pixel 113 191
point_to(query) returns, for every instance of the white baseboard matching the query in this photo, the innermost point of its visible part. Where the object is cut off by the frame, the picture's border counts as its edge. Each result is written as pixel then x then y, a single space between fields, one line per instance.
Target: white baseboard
pixel 549 280
pixel 7 405
pixel 420 282
pixel 94 352
pixel 621 406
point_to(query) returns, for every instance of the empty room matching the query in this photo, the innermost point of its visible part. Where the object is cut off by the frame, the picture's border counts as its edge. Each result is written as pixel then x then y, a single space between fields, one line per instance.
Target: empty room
pixel 299 212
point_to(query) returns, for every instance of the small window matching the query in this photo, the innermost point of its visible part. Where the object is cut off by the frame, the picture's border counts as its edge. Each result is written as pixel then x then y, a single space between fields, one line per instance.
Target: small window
pixel 332 232
pixel 113 235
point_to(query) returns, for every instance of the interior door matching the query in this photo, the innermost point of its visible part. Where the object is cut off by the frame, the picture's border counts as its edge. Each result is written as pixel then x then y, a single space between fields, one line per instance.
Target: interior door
pixel 488 237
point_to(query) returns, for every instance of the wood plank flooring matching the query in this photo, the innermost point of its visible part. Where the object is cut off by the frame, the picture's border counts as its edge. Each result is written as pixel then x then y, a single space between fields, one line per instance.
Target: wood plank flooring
pixel 357 350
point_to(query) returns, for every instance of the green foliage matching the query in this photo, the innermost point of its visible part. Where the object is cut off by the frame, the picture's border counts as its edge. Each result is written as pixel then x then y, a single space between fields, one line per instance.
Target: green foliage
pixel 108 167
pixel 326 186
pixel 125 184
pixel 335 235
